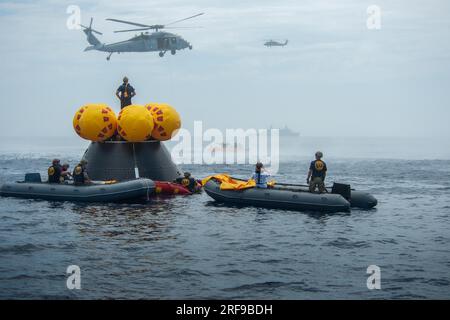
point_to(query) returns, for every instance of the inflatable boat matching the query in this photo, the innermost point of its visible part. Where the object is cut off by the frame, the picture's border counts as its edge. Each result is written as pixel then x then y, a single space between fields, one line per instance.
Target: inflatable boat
pixel 33 188
pixel 341 198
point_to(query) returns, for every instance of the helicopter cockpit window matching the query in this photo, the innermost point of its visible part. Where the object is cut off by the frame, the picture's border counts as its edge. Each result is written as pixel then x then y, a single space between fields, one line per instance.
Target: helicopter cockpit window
pixel 173 40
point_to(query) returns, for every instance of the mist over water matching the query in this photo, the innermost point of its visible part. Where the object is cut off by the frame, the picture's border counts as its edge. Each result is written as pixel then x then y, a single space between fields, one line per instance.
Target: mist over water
pixel 192 247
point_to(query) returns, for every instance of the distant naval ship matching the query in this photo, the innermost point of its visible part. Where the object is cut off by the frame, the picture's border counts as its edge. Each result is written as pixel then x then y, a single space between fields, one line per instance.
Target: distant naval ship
pixel 286 132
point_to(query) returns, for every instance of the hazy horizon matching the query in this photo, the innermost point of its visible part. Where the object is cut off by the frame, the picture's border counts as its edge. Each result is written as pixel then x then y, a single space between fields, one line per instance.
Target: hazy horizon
pixel 335 77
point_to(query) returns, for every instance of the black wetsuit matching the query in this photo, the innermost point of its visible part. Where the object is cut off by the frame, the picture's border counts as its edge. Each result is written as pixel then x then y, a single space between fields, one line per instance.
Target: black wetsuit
pixel 54 173
pixel 126 91
pixel 189 183
pixel 79 175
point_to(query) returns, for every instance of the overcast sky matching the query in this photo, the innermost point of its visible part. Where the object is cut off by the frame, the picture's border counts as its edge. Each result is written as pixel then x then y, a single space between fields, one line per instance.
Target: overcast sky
pixel 335 77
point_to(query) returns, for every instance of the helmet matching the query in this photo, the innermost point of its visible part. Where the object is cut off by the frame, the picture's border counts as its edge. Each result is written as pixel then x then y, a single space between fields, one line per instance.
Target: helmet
pixel 187 174
pixel 55 161
pixel 319 154
pixel 259 165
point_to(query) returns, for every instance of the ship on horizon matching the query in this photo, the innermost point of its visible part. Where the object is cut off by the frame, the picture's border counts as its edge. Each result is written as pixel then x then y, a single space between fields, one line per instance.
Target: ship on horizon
pixel 286 132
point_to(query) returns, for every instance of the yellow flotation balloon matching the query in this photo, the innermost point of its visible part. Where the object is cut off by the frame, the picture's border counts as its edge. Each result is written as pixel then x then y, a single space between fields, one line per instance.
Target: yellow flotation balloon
pixel 167 120
pixel 135 123
pixel 95 122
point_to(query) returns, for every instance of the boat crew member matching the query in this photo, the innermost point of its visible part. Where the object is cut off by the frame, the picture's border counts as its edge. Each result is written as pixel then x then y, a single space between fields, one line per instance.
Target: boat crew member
pixel 54 171
pixel 188 182
pixel 125 92
pixel 80 175
pixel 260 176
pixel 65 173
pixel 317 173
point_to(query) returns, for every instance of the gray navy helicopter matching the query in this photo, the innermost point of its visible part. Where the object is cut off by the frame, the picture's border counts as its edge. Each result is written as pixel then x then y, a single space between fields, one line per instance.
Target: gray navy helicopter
pixel 273 43
pixel 145 42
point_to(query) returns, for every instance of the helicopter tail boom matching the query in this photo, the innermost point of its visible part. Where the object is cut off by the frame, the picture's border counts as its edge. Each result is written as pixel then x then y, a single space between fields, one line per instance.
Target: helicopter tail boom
pixel 90 35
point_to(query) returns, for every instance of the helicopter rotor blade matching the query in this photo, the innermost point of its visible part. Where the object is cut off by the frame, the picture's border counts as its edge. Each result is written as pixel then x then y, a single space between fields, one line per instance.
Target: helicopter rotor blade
pixel 130 30
pixel 90 24
pixel 199 14
pixel 184 27
pixel 129 22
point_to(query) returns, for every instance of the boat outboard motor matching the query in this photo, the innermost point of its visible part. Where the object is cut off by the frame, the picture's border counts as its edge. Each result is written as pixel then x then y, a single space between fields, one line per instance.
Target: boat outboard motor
pixel 343 189
pixel 33 178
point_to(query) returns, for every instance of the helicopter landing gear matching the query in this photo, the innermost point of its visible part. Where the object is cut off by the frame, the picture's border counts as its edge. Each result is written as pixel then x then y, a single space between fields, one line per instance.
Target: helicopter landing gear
pixel 109 57
pixel 161 54
pixel 173 52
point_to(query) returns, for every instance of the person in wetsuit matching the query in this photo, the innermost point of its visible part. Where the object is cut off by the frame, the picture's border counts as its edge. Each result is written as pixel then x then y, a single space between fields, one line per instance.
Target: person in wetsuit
pixel 317 173
pixel 188 182
pixel 124 93
pixel 80 176
pixel 54 171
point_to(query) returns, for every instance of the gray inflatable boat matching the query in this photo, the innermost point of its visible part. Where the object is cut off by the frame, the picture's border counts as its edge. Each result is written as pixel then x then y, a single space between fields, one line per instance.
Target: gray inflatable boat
pixel 33 188
pixel 293 198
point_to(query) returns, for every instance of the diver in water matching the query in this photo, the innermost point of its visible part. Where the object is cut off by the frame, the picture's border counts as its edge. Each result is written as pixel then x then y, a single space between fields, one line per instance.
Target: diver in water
pixel 124 93
pixel 188 182
pixel 54 171
pixel 80 176
pixel 317 173
pixel 260 176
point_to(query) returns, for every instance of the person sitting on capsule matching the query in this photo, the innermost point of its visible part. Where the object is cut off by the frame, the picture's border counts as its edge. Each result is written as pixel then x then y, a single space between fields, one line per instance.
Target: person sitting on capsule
pixel 125 92
pixel 317 173
pixel 188 182
pixel 54 171
pixel 65 173
pixel 80 176
pixel 260 176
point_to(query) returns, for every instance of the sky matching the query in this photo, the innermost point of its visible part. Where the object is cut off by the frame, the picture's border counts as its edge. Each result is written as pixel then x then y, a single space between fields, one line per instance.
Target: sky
pixel 336 77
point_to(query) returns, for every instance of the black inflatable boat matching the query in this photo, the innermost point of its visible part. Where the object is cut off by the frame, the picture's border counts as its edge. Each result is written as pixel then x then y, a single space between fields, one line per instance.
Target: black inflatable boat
pixel 33 188
pixel 341 198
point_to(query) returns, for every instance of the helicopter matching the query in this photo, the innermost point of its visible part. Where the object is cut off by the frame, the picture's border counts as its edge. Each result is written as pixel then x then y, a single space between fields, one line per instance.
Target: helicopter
pixel 145 42
pixel 272 43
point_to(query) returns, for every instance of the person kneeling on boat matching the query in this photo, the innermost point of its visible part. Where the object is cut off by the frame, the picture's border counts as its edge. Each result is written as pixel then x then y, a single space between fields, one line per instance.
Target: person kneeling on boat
pixel 188 182
pixel 80 176
pixel 65 173
pixel 317 173
pixel 54 171
pixel 260 176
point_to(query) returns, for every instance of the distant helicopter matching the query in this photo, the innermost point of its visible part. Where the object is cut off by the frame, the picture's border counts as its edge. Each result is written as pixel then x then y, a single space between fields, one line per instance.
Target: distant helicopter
pixel 273 43
pixel 145 42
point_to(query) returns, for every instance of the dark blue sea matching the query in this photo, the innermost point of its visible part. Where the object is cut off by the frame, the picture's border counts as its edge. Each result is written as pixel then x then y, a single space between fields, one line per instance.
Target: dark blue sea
pixel 189 247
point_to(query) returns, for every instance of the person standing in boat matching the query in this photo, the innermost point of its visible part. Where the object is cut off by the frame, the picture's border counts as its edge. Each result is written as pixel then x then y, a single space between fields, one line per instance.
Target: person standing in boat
pixel 124 93
pixel 317 173
pixel 54 171
pixel 80 176
pixel 260 176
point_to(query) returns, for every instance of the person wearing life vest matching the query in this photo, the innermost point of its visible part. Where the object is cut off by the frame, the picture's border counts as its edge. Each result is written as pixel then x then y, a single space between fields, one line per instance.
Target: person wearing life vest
pixel 124 93
pixel 188 182
pixel 260 176
pixel 54 171
pixel 317 173
pixel 80 176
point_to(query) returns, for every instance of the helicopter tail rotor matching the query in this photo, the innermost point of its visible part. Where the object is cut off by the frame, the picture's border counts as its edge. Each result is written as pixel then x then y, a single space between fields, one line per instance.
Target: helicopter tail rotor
pixel 89 29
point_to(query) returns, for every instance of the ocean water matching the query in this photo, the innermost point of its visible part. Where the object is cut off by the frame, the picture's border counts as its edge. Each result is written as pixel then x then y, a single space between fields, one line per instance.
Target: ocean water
pixel 191 247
